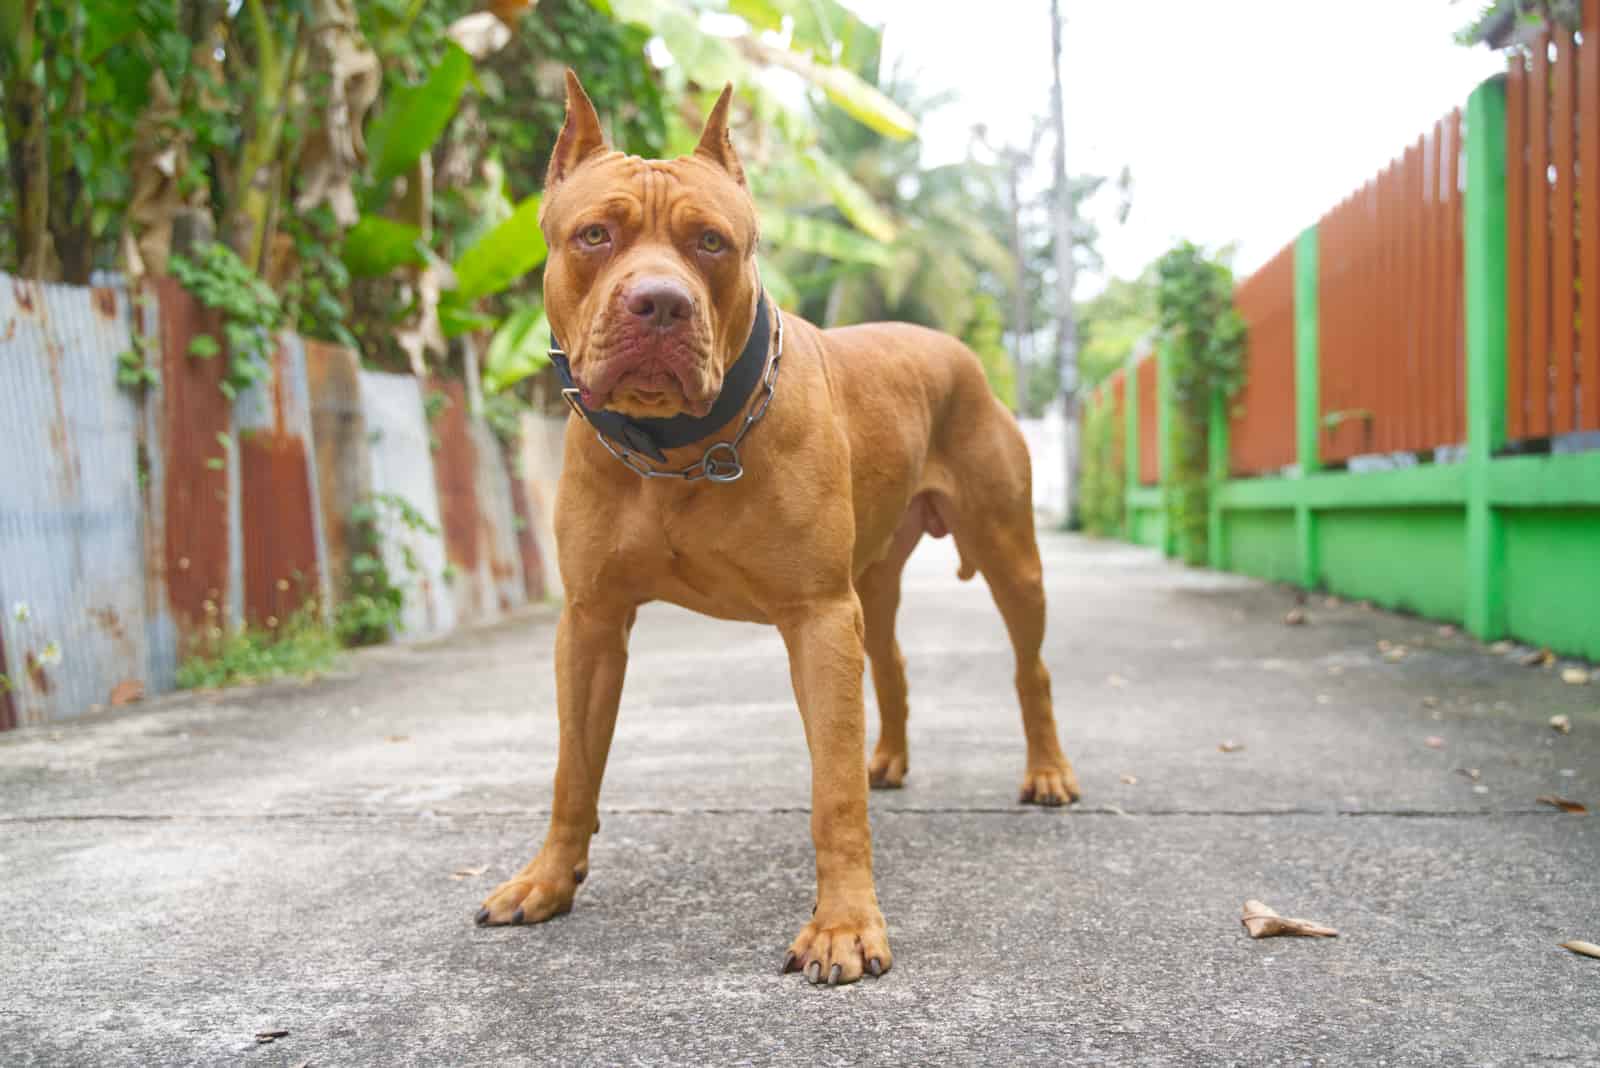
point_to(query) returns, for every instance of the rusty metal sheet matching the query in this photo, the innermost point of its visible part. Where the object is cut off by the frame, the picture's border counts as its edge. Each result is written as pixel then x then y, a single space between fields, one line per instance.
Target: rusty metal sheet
pixel 71 585
pixel 279 513
pixel 339 439
pixel 197 495
pixel 455 463
pixel 527 541
pixel 402 468
pixel 500 563
pixel 538 470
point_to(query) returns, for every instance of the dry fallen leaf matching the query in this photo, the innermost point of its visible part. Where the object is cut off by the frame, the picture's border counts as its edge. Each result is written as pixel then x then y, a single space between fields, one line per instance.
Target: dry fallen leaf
pixel 1583 949
pixel 1430 702
pixel 1263 922
pixel 1561 723
pixel 1433 741
pixel 1230 746
pixel 127 692
pixel 1538 658
pixel 1575 677
pixel 1501 647
pixel 1565 804
pixel 469 873
pixel 267 1037
pixel 1396 654
pixel 1295 617
pixel 1129 780
pixel 1472 773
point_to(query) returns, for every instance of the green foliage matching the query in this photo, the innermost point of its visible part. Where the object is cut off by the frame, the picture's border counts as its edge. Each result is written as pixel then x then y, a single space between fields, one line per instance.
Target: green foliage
pixel 370 610
pixel 300 646
pixel 250 311
pixel 375 246
pixel 985 335
pixel 316 297
pixel 415 116
pixel 1102 500
pixel 134 370
pixel 1111 325
pixel 519 349
pixel 1205 343
pixel 501 256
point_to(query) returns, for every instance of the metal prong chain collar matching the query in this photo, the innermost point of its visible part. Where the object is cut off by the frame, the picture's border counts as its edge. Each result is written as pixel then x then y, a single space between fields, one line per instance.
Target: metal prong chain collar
pixel 720 462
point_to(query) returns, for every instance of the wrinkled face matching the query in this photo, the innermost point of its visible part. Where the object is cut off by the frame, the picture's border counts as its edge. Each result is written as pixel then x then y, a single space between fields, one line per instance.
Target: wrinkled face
pixel 651 284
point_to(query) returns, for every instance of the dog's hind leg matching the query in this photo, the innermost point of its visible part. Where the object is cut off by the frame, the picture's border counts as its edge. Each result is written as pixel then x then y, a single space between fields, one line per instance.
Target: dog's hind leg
pixel 1015 579
pixel 878 587
pixel 992 521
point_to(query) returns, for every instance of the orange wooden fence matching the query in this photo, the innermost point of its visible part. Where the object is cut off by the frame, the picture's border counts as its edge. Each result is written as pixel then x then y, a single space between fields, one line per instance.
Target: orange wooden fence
pixel 1391 341
pixel 1553 233
pixel 1149 429
pixel 1261 436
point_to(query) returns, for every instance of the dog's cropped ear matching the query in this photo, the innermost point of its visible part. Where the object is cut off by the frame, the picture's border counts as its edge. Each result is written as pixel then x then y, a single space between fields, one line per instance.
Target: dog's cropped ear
pixel 581 136
pixel 715 145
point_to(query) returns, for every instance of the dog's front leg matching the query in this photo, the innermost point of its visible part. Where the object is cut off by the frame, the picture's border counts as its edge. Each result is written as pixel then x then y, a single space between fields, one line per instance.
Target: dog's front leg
pixel 846 935
pixel 591 658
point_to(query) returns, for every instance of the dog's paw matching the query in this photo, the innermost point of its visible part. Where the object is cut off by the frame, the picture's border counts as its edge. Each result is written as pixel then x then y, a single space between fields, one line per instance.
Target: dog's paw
pixel 1050 786
pixel 840 946
pixel 887 771
pixel 528 898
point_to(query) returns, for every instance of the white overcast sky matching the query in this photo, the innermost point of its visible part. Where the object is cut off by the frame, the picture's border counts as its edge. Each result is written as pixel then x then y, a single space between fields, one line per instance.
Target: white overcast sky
pixel 1242 120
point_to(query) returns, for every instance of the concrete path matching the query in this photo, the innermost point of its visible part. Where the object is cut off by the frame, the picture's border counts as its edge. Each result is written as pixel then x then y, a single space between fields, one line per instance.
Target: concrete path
pixel 177 878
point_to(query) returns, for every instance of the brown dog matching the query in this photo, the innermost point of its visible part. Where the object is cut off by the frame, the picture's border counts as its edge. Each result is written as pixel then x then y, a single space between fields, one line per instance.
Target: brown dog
pixel 868 437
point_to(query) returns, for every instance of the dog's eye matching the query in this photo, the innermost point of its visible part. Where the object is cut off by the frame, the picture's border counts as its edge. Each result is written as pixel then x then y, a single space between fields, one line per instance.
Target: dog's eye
pixel 711 241
pixel 595 235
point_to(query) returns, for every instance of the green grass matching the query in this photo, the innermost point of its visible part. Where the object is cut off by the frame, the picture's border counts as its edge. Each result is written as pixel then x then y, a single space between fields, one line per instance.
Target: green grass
pixel 301 646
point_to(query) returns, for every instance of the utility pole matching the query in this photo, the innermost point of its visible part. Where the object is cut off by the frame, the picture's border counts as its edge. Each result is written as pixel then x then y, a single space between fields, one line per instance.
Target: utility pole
pixel 1019 287
pixel 1066 321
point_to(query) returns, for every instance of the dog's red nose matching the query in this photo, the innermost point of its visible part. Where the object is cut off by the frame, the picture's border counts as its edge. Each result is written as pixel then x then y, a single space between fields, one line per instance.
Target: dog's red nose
pixel 660 302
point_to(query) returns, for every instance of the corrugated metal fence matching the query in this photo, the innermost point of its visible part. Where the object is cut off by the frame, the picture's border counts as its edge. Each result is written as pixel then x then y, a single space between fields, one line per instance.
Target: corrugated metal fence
pixel 136 529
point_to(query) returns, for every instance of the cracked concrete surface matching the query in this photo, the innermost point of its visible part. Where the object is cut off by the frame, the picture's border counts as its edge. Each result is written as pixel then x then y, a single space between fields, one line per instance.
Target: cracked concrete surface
pixel 178 877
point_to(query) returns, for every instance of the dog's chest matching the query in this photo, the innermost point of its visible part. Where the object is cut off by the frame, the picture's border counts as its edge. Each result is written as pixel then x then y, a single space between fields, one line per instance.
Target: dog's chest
pixel 689 552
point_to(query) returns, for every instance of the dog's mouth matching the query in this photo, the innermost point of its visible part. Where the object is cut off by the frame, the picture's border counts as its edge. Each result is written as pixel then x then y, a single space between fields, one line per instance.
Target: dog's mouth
pixel 646 377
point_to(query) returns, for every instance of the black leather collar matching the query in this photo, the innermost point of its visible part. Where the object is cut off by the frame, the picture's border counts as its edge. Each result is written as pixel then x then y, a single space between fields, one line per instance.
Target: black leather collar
pixel 653 437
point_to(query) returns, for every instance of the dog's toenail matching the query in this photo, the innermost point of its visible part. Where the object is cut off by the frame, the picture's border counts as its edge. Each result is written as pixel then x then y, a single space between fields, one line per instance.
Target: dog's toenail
pixel 814 972
pixel 483 916
pixel 516 917
pixel 833 975
pixel 579 874
pixel 875 966
pixel 789 964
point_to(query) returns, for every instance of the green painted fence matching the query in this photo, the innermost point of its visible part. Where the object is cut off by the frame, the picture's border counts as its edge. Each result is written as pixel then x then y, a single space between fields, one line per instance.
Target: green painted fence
pixel 1508 545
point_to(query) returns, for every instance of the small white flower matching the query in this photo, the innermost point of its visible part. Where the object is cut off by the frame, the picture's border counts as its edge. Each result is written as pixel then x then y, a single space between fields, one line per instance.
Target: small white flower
pixel 21 612
pixel 51 655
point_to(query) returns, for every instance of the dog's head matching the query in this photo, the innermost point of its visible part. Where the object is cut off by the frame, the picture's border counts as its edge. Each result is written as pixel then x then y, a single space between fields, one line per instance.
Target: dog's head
pixel 651 283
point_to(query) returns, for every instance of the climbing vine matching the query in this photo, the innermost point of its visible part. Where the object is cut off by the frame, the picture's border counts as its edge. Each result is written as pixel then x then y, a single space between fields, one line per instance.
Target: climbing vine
pixel 1103 499
pixel 1205 344
pixel 251 312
